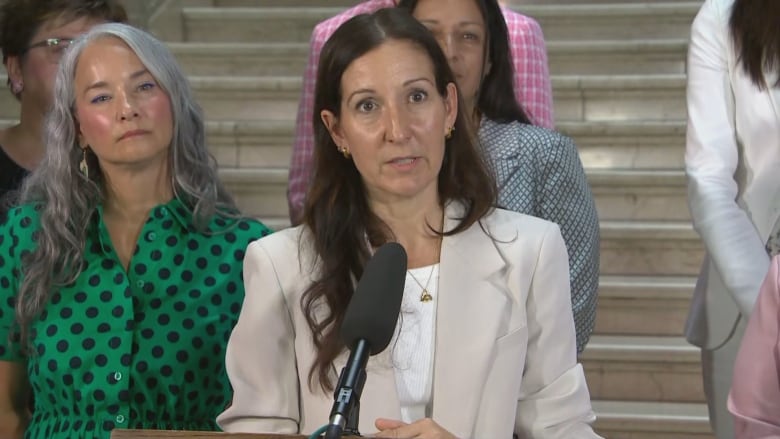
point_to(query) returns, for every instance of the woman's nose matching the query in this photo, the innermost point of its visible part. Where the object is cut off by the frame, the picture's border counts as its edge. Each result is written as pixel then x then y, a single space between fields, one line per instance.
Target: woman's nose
pixel 127 107
pixel 397 124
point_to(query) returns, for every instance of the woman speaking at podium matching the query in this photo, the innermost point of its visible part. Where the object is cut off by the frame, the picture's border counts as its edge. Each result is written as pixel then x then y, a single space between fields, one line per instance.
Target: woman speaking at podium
pixel 485 345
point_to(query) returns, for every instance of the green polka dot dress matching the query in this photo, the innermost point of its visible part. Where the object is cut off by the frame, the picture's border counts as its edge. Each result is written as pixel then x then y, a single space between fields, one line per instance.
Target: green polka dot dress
pixel 138 349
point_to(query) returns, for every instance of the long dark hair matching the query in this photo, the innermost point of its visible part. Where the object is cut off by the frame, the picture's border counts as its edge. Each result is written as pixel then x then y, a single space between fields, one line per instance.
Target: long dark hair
pixel 337 212
pixel 755 29
pixel 493 99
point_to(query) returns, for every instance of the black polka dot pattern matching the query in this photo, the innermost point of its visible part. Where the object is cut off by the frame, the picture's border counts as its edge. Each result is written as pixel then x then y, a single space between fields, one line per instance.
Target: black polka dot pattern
pixel 136 349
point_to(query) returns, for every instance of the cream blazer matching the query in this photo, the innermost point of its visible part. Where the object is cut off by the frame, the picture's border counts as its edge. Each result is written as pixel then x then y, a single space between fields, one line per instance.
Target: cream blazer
pixel 732 160
pixel 505 346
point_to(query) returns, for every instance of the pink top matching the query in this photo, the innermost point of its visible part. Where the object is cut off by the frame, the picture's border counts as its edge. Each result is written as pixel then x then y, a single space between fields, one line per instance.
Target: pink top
pixel 754 400
pixel 531 82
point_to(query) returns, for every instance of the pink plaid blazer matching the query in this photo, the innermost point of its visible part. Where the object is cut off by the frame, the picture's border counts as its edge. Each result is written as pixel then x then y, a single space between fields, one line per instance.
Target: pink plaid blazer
pixel 531 83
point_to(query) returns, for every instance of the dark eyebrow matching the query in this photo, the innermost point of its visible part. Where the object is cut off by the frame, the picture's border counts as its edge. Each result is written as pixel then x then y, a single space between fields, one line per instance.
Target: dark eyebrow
pixel 369 90
pixel 460 23
pixel 405 84
pixel 362 90
pixel 422 78
pixel 101 84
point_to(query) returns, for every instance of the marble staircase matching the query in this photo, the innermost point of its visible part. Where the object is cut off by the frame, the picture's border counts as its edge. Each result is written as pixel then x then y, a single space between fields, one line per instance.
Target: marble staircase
pixel 618 71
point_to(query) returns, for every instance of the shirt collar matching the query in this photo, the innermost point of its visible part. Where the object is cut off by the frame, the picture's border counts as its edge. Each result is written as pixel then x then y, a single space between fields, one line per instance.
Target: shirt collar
pixel 174 209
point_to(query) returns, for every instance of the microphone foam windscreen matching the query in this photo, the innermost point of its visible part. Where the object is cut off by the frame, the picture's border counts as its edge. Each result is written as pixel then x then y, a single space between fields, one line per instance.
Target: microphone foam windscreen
pixel 372 312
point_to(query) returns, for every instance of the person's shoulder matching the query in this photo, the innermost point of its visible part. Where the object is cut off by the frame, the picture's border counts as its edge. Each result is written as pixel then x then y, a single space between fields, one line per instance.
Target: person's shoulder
pixel 284 242
pixel 252 228
pixel 714 11
pixel 25 216
pixel 506 223
pixel 516 19
pixel 526 135
pixel 721 6
pixel 19 228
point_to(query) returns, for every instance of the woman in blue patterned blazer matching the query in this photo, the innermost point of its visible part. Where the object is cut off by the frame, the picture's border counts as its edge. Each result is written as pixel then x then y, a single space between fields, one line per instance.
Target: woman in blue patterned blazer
pixel 538 171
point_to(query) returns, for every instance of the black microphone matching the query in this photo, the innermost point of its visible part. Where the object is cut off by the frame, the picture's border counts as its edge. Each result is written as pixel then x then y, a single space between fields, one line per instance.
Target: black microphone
pixel 368 326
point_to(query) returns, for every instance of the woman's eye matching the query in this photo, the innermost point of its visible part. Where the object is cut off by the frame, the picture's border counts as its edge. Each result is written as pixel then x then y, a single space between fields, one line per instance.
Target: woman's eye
pixel 366 106
pixel 146 86
pixel 470 36
pixel 98 99
pixel 418 96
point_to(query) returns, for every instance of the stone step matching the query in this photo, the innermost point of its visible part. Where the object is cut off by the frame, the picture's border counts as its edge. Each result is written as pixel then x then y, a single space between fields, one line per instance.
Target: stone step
pixel 243 98
pixel 628 144
pixel 559 21
pixel 260 193
pixel 601 145
pixel 254 24
pixel 576 98
pixel 642 368
pixel 661 301
pixel 652 420
pixel 639 194
pixel 628 247
pixel 242 59
pixel 615 21
pixel 620 196
pixel 670 248
pixel 650 248
pixel 619 97
pixel 617 57
pixel 255 144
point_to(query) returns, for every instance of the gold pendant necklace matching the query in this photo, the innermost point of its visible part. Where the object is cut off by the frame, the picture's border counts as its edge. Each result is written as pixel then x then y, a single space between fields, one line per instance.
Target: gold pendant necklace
pixel 425 296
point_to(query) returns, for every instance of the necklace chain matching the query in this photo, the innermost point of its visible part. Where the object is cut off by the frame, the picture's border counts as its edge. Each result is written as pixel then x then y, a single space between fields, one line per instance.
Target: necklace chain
pixel 425 296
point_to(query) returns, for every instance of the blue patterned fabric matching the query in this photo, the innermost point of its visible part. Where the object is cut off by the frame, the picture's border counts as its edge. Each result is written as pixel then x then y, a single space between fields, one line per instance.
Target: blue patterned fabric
pixel 539 173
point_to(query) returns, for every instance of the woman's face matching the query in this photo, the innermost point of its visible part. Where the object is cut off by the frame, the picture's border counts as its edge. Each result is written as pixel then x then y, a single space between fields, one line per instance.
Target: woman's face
pixel 460 30
pixel 122 113
pixel 393 121
pixel 37 68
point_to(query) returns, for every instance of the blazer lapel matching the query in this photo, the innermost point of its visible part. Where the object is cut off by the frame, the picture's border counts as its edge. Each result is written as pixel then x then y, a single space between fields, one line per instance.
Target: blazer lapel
pixel 472 296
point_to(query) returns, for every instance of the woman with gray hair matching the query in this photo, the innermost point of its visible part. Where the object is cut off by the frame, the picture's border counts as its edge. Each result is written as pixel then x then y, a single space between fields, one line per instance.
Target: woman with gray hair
pixel 34 34
pixel 120 271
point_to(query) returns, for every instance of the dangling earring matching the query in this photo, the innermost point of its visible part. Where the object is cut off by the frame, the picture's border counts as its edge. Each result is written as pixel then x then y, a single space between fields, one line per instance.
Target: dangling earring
pixel 17 87
pixel 345 152
pixel 83 165
pixel 448 136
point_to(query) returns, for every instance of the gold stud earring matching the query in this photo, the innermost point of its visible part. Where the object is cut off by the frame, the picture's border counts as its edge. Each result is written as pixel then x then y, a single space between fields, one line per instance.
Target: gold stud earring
pixel 448 136
pixel 83 165
pixel 17 87
pixel 345 152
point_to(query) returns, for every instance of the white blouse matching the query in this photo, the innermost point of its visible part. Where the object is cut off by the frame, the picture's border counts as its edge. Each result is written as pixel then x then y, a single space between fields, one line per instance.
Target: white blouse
pixel 413 344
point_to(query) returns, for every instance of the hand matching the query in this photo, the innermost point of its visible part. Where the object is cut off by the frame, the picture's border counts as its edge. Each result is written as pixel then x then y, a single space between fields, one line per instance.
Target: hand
pixel 422 429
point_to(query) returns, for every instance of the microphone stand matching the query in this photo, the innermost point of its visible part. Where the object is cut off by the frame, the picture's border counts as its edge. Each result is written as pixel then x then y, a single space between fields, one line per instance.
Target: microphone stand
pixel 345 413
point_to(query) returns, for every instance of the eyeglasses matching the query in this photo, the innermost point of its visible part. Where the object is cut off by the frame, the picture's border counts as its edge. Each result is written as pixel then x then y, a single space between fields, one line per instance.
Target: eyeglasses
pixel 55 47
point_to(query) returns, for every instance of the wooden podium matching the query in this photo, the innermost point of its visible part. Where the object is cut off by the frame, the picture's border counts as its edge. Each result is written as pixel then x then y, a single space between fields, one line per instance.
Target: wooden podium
pixel 165 434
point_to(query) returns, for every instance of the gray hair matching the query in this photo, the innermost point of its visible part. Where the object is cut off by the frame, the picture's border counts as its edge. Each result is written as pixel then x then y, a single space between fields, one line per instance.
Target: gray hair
pixel 67 199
